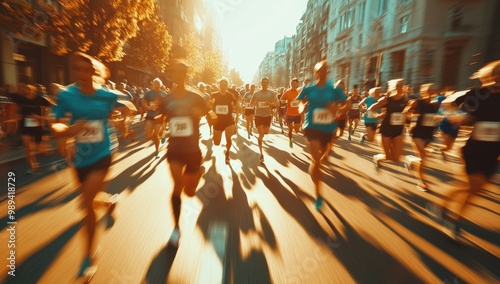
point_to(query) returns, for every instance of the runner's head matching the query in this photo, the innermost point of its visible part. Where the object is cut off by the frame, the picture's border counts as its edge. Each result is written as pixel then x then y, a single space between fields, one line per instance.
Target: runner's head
pixel 247 86
pixel 427 91
pixel 223 84
pixel 395 85
pixel 294 83
pixel 355 90
pixel 375 92
pixel 321 70
pixel 157 84
pixel 88 70
pixel 252 88
pixel 179 72
pixel 307 81
pixel 201 87
pixel 265 83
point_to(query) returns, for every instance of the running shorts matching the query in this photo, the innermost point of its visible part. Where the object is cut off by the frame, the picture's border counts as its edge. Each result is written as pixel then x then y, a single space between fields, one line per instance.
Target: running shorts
pixel 293 119
pixel 263 121
pixel 192 160
pixel 481 157
pixel 102 164
pixel 222 124
pixel 314 135
pixel 372 126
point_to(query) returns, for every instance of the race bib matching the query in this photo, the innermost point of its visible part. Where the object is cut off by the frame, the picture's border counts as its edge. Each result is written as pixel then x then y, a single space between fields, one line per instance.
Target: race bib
pixel 428 120
pixel 31 122
pixel 488 131
pixel 181 126
pixel 262 105
pixel 397 118
pixel 355 106
pixel 221 109
pixel 94 132
pixel 248 106
pixel 322 116
pixel 295 103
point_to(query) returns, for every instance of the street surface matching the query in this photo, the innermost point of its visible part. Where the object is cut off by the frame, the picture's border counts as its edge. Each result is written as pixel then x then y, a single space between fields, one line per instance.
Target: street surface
pixel 250 223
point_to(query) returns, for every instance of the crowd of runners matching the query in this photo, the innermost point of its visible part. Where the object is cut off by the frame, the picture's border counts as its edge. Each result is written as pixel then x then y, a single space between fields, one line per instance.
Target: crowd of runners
pixel 319 110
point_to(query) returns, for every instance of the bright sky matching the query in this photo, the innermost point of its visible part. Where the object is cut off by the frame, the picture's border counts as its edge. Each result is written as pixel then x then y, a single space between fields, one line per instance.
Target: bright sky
pixel 250 28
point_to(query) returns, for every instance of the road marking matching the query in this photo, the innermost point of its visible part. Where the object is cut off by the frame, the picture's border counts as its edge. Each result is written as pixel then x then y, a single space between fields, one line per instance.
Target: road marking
pixel 214 270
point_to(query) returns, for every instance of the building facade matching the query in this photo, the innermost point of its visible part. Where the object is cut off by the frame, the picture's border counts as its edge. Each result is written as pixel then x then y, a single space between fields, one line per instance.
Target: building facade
pixel 368 42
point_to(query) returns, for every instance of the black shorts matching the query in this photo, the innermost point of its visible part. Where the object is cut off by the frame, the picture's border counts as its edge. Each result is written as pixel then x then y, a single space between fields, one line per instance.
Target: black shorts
pixel 391 131
pixel 263 121
pixel 153 120
pixel 481 157
pixel 372 126
pixel 249 112
pixel 353 115
pixel 35 132
pixel 192 160
pixel 282 112
pixel 341 123
pixel 314 135
pixel 102 164
pixel 293 119
pixel 222 124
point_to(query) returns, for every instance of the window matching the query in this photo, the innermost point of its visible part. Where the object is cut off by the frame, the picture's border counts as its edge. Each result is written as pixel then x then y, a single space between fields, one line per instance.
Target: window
pixel 342 22
pixel 361 10
pixel 456 15
pixel 398 61
pixel 382 7
pixel 404 22
pixel 350 17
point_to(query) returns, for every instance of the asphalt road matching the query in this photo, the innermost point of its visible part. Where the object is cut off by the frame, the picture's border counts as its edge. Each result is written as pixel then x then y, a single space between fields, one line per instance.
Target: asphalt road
pixel 252 223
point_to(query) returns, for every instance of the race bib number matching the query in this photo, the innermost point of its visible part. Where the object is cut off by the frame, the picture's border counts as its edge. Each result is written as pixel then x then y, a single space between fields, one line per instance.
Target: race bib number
pixel 221 109
pixel 355 106
pixel 397 118
pixel 181 126
pixel 262 105
pixel 322 116
pixel 488 131
pixel 31 122
pixel 295 103
pixel 248 106
pixel 93 133
pixel 428 120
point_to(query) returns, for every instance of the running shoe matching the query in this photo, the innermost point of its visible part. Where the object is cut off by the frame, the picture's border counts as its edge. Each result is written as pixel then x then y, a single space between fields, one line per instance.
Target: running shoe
pixel 352 132
pixel 376 161
pixel 319 203
pixel 86 269
pixel 363 138
pixel 435 212
pixel 163 140
pixel 262 159
pixel 349 137
pixel 290 143
pixel 156 154
pixel 407 164
pixel 175 238
pixel 422 186
pixel 452 228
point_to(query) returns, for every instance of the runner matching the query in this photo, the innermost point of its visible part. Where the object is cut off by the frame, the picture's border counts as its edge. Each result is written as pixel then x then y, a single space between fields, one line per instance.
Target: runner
pixel 371 122
pixel 249 109
pixel 292 110
pixel 353 112
pixel 154 121
pixel 481 151
pixel 423 132
pixel 223 104
pixel 208 99
pixel 89 126
pixel 263 100
pixel 319 124
pixel 342 117
pixel 183 109
pixel 282 108
pixel 30 126
pixel 393 121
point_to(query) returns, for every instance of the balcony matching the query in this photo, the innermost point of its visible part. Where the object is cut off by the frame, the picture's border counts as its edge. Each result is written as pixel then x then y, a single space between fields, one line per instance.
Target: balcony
pixel 459 33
